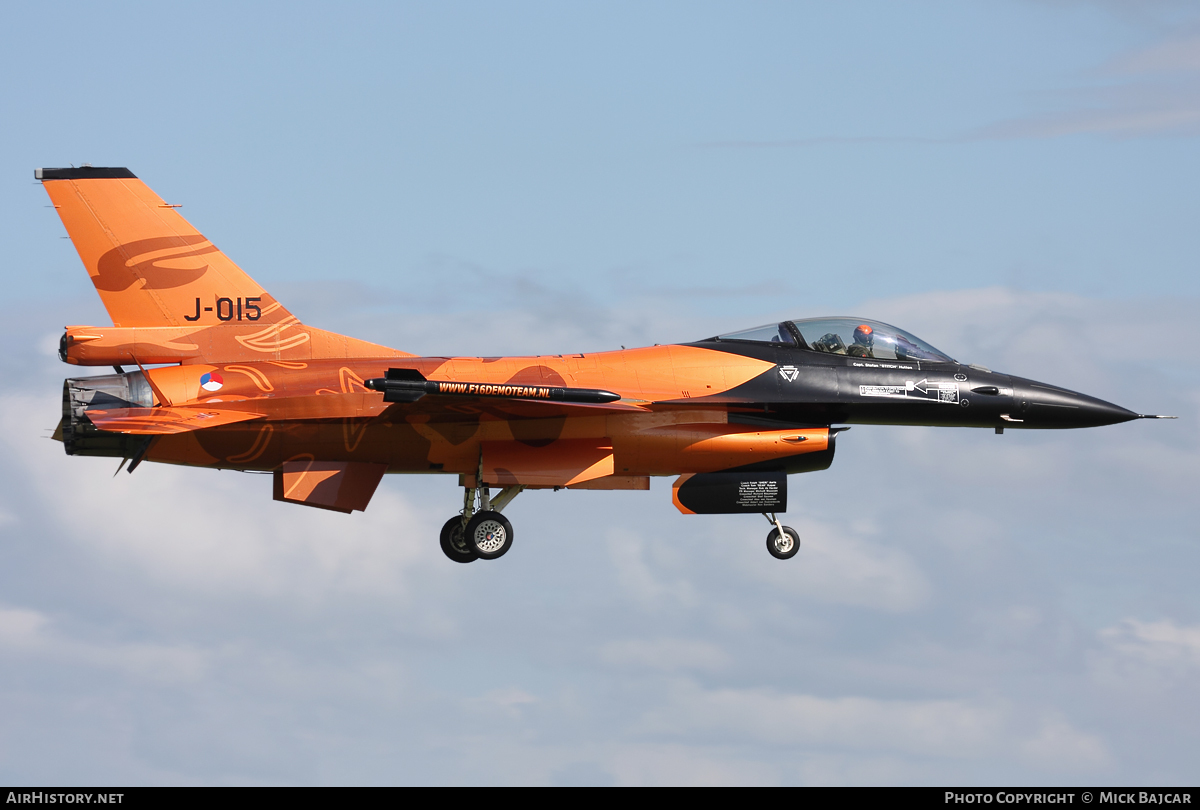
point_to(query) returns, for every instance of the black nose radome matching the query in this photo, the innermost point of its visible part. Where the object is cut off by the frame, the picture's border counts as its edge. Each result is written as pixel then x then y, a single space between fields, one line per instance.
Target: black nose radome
pixel 1039 405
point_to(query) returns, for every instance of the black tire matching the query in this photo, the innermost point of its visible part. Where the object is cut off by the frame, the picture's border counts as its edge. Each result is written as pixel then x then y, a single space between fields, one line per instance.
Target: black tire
pixel 783 548
pixel 490 535
pixel 454 545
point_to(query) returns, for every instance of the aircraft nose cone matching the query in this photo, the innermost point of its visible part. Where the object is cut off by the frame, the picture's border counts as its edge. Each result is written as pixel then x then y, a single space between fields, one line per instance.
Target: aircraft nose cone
pixel 1047 406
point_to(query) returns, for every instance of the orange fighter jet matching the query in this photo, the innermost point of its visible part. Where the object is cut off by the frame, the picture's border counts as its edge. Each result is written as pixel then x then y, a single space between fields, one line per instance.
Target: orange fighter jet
pixel 226 377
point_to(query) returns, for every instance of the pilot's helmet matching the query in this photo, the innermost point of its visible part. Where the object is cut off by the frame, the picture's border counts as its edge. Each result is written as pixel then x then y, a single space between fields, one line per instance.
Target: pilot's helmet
pixel 863 335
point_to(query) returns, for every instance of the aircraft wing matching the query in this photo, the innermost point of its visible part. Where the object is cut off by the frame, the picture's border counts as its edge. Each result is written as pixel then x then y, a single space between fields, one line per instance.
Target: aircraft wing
pixel 160 421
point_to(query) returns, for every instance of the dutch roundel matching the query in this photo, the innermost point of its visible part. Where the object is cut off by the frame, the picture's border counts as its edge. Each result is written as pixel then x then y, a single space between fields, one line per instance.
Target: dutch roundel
pixel 212 381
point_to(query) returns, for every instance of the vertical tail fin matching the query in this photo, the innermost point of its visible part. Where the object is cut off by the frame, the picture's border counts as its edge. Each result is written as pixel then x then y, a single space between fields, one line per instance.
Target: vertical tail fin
pixel 150 266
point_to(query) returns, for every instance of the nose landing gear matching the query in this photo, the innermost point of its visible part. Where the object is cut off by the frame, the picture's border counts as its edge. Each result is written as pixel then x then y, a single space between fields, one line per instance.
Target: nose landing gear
pixel 479 535
pixel 782 541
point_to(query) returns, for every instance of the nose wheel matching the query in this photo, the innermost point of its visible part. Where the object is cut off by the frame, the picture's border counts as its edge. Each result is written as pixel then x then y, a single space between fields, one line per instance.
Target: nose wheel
pixel 782 541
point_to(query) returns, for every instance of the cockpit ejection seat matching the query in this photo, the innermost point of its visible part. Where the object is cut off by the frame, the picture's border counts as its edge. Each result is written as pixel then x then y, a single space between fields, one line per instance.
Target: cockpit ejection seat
pixel 831 343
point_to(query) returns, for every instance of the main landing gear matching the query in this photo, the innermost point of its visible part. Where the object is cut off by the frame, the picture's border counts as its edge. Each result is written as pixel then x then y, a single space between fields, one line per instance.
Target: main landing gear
pixel 482 534
pixel 782 541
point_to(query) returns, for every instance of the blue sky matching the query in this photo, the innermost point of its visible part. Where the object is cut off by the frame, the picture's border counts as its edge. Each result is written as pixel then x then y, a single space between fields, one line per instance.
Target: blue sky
pixel 1013 181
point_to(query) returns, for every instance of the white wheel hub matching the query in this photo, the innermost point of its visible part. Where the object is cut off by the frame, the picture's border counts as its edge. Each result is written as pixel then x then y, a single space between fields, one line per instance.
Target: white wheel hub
pixel 490 536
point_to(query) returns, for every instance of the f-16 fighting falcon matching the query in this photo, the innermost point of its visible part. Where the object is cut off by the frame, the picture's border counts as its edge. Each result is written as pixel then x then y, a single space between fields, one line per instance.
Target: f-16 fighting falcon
pixel 220 374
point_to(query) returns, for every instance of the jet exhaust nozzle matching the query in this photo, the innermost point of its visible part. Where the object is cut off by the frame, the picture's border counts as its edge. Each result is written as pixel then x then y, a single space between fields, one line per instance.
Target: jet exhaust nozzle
pixel 79 436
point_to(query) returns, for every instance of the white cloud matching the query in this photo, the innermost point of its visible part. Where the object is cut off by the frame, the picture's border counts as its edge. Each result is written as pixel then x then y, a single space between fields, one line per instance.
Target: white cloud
pixel 1149 91
pixel 1177 53
pixel 212 533
pixel 920 634
pixel 665 654
pixel 1059 748
pixel 688 764
pixel 839 567
pixel 21 628
pixel 508 702
pixel 1118 113
pixel 634 560
pixel 30 633
pixel 1158 643
pixel 831 768
pixel 875 728
pixel 949 728
pixel 48 344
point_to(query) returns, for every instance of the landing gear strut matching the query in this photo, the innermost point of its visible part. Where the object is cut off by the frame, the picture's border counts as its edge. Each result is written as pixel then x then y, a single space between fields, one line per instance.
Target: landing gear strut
pixel 782 541
pixel 483 533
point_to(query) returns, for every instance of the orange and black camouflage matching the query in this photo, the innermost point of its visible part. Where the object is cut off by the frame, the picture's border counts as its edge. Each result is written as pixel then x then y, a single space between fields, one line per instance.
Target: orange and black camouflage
pixel 228 378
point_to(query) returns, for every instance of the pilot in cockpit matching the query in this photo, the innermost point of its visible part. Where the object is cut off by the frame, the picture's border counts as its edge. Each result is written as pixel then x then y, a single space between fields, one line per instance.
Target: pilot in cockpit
pixel 864 341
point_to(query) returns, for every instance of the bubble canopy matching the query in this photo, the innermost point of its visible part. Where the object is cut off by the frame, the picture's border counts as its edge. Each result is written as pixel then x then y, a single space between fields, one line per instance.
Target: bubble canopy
pixel 853 337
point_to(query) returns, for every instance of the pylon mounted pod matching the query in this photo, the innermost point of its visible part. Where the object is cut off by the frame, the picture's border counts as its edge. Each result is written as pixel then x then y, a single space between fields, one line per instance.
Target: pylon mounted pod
pixel 730 493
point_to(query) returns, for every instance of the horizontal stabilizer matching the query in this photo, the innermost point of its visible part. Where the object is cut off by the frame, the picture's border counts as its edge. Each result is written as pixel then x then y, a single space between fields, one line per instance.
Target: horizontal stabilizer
pixel 341 486
pixel 160 421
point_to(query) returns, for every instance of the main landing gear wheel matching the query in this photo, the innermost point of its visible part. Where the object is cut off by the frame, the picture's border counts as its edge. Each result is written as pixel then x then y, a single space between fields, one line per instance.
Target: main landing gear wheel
pixel 484 534
pixel 454 542
pixel 489 534
pixel 783 546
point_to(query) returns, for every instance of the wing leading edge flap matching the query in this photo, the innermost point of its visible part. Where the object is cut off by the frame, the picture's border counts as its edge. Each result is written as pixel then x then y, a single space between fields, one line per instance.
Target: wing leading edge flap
pixel 161 421
pixel 340 486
